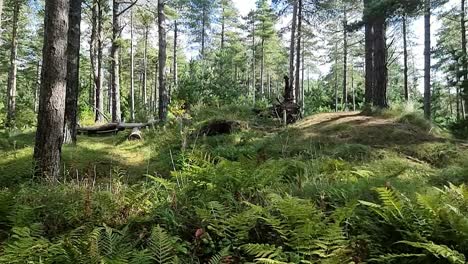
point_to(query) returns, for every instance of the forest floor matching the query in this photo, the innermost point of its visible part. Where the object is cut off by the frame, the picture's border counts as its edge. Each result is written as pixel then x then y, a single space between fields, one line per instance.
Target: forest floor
pixel 329 159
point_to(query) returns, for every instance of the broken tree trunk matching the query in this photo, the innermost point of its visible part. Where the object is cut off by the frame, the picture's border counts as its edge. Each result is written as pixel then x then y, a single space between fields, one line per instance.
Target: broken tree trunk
pixel 287 110
pixel 135 135
pixel 112 128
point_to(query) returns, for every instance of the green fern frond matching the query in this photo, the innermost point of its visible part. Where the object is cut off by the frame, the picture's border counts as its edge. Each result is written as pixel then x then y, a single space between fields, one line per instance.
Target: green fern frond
pixel 393 257
pixel 443 251
pixel 161 246
pixel 264 252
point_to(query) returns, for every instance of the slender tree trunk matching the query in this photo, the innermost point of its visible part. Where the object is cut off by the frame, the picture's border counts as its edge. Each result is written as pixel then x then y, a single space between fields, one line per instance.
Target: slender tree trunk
pixel 262 70
pixel 11 89
pixel 37 86
pixel 380 64
pixel 163 94
pixel 156 86
pixel 174 63
pixel 336 77
pixel 223 25
pixel 427 59
pixel 369 53
pixel 132 71
pixel 254 77
pixel 203 33
pixel 145 70
pixel 49 135
pixel 293 45
pixel 93 55
pixel 464 52
pixel 405 58
pixel 99 75
pixel 115 69
pixel 352 87
pixel 297 78
pixel 345 59
pixel 73 72
pixel 1 12
pixel 458 102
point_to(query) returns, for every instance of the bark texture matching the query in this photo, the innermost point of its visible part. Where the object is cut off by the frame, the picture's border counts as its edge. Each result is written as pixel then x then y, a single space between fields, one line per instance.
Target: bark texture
pixel 49 135
pixel 11 89
pixel 162 56
pixel 427 59
pixel 73 72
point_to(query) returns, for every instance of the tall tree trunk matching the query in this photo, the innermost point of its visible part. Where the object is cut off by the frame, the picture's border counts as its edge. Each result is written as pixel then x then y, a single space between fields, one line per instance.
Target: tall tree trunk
pixel 132 71
pixel 297 78
pixel 49 135
pixel 302 76
pixel 37 87
pixel 73 72
pixel 405 58
pixel 336 77
pixel 345 58
pixel 352 87
pixel 11 89
pixel 145 70
pixel 223 25
pixel 174 63
pixel 93 55
pixel 1 12
pixel 115 69
pixel 369 52
pixel 464 52
pixel 203 33
pixel 380 64
pixel 254 77
pixel 427 59
pixel 98 71
pixel 156 90
pixel 292 46
pixel 163 94
pixel 262 69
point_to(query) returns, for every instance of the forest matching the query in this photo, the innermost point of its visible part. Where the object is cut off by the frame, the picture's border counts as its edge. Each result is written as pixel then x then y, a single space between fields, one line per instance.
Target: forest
pixel 233 131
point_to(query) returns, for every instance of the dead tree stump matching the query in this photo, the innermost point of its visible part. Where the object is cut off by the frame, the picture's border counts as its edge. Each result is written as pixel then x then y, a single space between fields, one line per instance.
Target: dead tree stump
pixel 287 110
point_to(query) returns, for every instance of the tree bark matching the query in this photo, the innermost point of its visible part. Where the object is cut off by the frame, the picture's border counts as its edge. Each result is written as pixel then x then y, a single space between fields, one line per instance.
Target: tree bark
pixel 93 55
pixel 369 53
pixel 405 58
pixel 49 135
pixel 427 59
pixel 293 46
pixel 11 89
pixel 115 69
pixel 145 70
pixel 345 59
pixel 37 87
pixel 1 12
pixel 297 78
pixel 380 78
pixel 262 69
pixel 203 32
pixel 132 71
pixel 73 72
pixel 464 52
pixel 336 77
pixel 223 25
pixel 174 63
pixel 163 94
pixel 254 77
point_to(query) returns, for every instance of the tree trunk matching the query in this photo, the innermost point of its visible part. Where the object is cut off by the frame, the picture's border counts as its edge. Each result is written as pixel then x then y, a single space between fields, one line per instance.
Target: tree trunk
pixel 115 69
pixel 11 89
pixel 262 70
pixel 93 55
pixel 427 59
pixel 49 135
pixel 405 58
pixel 292 46
pixel 203 33
pixel 345 59
pixel 336 77
pixel 156 90
pixel 223 22
pixel 464 55
pixel 163 94
pixel 98 71
pixel 297 77
pixel 132 71
pixel 37 87
pixel 369 53
pixel 1 12
pixel 254 77
pixel 380 78
pixel 73 72
pixel 145 70
pixel 174 63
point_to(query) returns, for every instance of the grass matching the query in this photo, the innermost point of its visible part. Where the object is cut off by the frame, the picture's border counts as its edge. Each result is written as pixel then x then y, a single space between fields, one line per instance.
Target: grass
pixel 327 161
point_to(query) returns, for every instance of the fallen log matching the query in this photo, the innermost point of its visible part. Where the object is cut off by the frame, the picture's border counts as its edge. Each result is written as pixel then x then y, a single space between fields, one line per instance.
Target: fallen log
pixel 135 135
pixel 113 127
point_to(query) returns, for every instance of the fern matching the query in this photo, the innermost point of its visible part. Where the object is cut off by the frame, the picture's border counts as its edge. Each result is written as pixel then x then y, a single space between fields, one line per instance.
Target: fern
pixel 387 258
pixel 438 251
pixel 161 246
pixel 264 253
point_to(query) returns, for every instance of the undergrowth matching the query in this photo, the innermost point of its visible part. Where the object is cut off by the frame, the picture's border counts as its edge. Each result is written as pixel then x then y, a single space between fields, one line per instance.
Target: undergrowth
pixel 258 195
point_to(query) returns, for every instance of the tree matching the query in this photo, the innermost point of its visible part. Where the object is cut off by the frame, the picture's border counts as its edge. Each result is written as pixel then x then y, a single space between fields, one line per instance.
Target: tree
pixel 49 135
pixel 293 46
pixel 115 55
pixel 162 56
pixel 264 17
pixel 11 89
pixel 73 72
pixel 427 59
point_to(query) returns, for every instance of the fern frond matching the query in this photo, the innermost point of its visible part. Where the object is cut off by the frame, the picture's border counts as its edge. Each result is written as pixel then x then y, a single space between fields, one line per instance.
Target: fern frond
pixel 393 257
pixel 161 246
pixel 443 251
